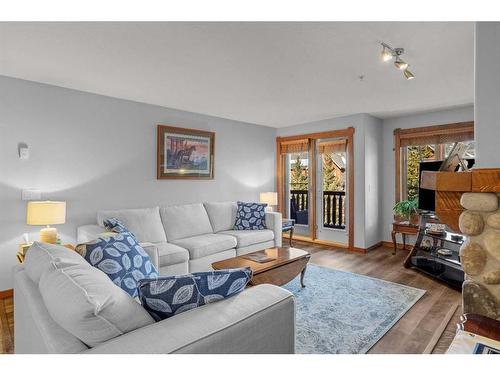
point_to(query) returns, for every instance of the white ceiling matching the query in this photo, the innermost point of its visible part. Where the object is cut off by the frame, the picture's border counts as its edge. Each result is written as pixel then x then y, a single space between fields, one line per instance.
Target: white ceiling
pixel 275 74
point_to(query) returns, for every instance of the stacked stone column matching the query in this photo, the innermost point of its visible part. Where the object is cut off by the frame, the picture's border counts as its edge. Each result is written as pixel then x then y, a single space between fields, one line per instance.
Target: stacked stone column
pixel 480 254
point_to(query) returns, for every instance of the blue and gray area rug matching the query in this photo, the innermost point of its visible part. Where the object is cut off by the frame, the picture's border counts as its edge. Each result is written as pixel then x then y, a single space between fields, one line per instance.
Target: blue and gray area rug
pixel 342 312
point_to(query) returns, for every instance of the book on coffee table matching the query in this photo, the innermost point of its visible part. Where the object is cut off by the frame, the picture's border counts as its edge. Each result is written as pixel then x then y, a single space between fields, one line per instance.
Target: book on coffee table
pixel 259 257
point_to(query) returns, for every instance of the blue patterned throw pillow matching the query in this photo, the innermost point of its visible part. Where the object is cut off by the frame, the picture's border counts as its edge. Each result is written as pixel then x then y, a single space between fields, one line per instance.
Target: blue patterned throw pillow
pixel 250 216
pixel 121 258
pixel 115 225
pixel 164 297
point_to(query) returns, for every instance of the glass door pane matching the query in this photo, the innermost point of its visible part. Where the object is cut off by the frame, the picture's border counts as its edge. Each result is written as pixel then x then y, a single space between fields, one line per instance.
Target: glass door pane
pixel 297 191
pixel 331 197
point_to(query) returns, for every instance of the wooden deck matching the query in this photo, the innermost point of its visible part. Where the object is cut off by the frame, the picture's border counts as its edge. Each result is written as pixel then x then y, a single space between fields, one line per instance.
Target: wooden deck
pixel 428 327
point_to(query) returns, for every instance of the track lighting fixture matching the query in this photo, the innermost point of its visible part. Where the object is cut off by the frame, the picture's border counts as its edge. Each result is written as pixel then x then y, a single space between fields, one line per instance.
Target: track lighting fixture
pixel 388 53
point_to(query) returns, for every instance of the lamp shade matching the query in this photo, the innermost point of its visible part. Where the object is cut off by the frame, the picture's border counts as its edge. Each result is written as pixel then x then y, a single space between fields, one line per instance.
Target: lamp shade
pixel 270 197
pixel 46 213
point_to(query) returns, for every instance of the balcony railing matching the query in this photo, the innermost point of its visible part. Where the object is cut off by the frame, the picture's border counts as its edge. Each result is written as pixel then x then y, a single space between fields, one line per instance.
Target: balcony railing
pixel 333 208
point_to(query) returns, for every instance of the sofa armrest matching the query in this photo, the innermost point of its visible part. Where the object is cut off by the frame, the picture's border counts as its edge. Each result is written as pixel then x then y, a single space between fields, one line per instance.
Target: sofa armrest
pixel 273 222
pixel 153 253
pixel 86 233
pixel 260 319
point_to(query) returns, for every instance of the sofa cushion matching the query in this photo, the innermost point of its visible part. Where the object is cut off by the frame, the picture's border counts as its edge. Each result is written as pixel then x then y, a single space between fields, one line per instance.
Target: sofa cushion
pixel 186 220
pixel 40 254
pixel 145 223
pixel 206 244
pixel 85 302
pixel 121 258
pixel 171 295
pixel 250 237
pixel 169 254
pixel 250 216
pixel 222 215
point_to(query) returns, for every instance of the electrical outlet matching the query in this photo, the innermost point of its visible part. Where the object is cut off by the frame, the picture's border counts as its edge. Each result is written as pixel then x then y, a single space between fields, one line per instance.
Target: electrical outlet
pixel 31 195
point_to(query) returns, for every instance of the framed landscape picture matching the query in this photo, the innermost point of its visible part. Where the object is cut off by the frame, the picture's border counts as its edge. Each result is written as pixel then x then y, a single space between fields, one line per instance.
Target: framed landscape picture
pixel 185 153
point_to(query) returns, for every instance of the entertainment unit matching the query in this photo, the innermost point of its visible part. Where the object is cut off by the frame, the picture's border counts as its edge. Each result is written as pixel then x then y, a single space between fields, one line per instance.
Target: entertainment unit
pixel 437 253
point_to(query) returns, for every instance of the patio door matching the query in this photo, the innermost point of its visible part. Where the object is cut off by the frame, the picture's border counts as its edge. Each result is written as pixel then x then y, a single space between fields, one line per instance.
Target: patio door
pixel 331 193
pixel 315 185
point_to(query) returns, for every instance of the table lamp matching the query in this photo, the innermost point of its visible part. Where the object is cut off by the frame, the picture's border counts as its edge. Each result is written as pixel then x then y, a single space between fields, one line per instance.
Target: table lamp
pixel 271 198
pixel 46 213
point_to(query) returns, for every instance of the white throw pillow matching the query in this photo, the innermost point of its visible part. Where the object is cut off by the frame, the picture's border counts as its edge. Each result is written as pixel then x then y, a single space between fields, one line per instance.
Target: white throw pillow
pixel 86 303
pixel 40 255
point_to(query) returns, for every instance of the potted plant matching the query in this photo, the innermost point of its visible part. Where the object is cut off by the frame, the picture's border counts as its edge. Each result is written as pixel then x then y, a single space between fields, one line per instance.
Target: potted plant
pixel 407 210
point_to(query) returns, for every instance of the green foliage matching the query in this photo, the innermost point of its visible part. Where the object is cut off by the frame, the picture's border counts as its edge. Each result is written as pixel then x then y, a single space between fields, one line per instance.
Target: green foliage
pixel 298 175
pixel 331 182
pixel 406 208
pixel 415 155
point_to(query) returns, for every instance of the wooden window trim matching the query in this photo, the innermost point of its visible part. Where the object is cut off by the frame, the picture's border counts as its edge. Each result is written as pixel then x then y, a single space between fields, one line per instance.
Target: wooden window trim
pixel 348 134
pixel 426 131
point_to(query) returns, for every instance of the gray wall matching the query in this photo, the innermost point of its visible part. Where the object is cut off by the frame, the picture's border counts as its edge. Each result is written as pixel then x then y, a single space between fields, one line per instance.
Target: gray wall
pixel 487 86
pixel 426 119
pixel 374 183
pixel 98 152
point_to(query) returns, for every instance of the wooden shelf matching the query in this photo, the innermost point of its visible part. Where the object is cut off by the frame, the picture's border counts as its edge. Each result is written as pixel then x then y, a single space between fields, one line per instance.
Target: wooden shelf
pixel 450 186
pixel 486 180
pixel 446 181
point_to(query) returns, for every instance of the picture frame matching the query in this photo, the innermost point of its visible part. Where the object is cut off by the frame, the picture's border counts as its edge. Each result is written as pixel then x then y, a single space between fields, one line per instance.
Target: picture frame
pixel 184 153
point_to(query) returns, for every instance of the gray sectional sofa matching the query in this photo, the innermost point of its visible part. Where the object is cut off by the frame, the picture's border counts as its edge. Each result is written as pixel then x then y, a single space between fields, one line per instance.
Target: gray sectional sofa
pixel 64 305
pixel 189 238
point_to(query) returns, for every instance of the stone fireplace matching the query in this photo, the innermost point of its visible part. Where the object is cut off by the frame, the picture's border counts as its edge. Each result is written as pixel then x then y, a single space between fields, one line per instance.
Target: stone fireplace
pixel 469 202
pixel 480 254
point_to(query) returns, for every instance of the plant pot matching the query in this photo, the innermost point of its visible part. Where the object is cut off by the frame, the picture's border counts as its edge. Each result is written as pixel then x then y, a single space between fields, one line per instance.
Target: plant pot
pixel 414 219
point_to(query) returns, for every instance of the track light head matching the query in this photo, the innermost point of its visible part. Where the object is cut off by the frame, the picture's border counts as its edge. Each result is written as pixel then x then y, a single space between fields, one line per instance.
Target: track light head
pixel 386 54
pixel 400 64
pixel 409 75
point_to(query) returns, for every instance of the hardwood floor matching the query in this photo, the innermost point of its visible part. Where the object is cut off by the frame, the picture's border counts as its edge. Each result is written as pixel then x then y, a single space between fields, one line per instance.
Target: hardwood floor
pixel 418 331
pixel 6 325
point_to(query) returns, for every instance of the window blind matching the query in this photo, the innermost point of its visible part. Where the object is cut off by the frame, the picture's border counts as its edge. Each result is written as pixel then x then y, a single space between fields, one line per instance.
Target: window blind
pixel 329 147
pixel 436 135
pixel 293 147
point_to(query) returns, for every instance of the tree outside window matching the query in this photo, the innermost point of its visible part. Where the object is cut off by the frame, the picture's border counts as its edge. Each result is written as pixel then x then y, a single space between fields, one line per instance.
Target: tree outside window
pixel 333 174
pixel 299 178
pixel 416 154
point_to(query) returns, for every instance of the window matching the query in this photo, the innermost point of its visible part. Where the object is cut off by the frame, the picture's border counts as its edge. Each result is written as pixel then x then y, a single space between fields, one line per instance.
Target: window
pixel 434 143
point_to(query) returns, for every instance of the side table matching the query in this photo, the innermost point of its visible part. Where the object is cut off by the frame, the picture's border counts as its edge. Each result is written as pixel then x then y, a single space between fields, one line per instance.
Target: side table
pixel 23 248
pixel 405 228
pixel 287 225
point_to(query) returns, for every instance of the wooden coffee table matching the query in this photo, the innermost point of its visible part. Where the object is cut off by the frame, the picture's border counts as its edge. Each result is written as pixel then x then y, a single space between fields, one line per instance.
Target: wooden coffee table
pixel 289 262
